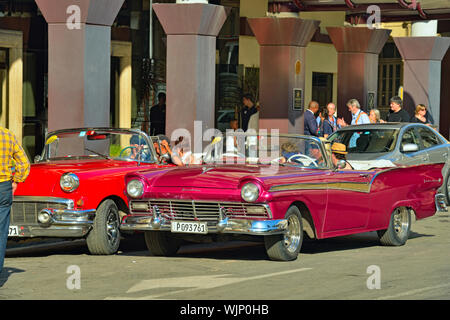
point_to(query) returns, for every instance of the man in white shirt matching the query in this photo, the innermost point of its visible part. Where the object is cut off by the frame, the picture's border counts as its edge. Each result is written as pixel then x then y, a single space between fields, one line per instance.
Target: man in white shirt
pixel 358 116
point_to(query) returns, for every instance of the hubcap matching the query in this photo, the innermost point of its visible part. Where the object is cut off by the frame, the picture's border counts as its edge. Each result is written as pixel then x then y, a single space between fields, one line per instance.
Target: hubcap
pixel 401 221
pixel 112 227
pixel 293 235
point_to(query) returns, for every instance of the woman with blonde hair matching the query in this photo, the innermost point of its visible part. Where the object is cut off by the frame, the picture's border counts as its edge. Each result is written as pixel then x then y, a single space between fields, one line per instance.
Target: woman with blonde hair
pixel 420 115
pixel 375 116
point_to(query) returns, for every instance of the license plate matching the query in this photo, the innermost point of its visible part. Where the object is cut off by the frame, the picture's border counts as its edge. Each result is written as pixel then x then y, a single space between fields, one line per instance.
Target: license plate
pixel 13 231
pixel 189 227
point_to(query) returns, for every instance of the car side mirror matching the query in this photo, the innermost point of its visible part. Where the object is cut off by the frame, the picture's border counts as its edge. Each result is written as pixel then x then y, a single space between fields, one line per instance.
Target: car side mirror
pixel 410 147
pixel 341 164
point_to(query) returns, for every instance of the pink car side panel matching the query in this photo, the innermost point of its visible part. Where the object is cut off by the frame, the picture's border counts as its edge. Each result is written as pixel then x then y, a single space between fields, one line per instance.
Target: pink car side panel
pixel 340 203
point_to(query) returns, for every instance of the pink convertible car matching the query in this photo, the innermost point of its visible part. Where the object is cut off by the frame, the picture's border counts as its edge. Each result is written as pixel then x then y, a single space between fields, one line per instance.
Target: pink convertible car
pixel 279 188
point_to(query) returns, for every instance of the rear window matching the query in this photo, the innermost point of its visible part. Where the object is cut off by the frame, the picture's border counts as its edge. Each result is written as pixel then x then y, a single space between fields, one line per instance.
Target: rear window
pixel 367 141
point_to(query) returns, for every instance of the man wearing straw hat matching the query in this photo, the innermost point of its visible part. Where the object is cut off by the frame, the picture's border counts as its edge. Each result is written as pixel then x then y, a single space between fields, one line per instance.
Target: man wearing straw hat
pixel 338 152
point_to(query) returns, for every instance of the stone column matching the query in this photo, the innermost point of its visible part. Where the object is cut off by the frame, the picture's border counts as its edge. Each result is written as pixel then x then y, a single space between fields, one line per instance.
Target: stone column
pixel 123 50
pixel 191 52
pixel 79 47
pixel 422 57
pixel 358 49
pixel 283 44
pixel 11 115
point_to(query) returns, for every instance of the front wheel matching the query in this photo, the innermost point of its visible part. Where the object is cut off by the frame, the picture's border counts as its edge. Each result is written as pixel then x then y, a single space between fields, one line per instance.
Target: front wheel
pixel 104 238
pixel 398 230
pixel 286 247
pixel 161 243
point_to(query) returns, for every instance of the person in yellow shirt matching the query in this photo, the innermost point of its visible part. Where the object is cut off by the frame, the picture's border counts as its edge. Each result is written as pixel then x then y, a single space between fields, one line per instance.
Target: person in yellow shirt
pixel 14 169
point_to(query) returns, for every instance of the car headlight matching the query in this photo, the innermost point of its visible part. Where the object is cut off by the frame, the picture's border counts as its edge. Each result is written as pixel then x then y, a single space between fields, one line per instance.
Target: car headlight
pixel 135 188
pixel 250 192
pixel 69 182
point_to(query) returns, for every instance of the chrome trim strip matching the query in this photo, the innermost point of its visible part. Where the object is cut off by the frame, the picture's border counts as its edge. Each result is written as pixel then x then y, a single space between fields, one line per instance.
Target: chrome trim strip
pixel 68 202
pixel 363 187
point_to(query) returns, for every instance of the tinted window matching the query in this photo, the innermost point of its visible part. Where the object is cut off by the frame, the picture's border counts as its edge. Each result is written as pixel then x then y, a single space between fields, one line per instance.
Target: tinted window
pixel 367 141
pixel 429 139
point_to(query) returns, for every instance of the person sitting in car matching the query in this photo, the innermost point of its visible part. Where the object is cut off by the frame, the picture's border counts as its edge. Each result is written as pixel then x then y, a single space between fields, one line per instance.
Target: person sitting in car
pixel 339 152
pixel 139 149
pixel 164 151
pixel 288 150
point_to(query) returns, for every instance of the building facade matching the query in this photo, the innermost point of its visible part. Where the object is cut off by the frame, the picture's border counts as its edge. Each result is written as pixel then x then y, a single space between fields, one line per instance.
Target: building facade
pixel 322 56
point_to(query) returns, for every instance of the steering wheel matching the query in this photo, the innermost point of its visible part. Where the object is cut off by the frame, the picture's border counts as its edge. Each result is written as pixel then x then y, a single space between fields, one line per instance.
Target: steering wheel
pixel 123 150
pixel 302 156
pixel 143 154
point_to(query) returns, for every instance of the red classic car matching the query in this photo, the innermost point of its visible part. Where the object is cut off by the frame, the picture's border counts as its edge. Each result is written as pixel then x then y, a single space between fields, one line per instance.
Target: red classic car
pixel 287 187
pixel 76 187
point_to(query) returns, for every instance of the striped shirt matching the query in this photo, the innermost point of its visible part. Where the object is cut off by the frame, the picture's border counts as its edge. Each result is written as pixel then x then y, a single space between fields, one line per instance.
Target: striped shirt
pixel 14 164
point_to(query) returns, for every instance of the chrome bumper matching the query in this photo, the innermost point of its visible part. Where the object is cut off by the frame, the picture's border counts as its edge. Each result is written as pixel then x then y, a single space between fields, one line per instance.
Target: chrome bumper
pixel 439 200
pixel 63 220
pixel 227 225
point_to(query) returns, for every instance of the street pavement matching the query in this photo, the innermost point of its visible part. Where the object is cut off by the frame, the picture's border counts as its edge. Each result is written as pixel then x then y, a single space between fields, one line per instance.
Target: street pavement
pixel 352 267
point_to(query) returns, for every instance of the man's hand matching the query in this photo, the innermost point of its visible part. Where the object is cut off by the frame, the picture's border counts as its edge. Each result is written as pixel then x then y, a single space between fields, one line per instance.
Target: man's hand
pixel 14 187
pixel 341 122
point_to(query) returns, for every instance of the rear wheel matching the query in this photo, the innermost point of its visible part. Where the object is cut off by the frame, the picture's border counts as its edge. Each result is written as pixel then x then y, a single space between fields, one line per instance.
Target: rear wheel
pixel 398 230
pixel 286 247
pixel 447 188
pixel 161 243
pixel 104 238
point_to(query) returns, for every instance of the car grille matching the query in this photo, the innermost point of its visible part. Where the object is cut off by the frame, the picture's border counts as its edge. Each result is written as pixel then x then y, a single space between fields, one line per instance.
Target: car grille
pixel 200 210
pixel 23 212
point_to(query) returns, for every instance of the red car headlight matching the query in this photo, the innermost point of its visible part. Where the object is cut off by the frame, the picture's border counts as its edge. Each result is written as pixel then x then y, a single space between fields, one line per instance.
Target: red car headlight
pixel 69 182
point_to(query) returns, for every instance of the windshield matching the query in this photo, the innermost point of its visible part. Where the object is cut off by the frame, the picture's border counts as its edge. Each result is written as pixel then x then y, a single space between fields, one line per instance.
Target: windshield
pixel 285 150
pixel 367 141
pixel 98 144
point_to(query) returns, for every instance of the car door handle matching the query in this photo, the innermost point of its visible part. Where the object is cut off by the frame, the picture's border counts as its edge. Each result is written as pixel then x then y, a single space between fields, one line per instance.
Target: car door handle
pixel 364 175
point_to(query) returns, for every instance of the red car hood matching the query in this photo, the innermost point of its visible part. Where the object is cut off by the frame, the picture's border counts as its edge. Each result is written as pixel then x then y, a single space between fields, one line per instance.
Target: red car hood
pixel 44 177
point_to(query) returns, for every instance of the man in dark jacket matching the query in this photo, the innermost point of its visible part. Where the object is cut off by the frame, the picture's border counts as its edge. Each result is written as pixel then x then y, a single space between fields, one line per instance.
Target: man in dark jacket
pixel 310 127
pixel 158 116
pixel 398 114
pixel 248 110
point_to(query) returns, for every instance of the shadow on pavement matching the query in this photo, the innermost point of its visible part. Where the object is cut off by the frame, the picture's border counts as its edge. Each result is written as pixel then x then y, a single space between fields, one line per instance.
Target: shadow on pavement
pixel 6 273
pixel 230 250
pixel 415 235
pixel 67 247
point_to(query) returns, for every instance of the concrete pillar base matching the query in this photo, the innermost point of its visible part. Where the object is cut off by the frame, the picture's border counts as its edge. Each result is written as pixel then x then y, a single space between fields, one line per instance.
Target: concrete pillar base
pixel 79 37
pixel 358 49
pixel 283 44
pixel 191 52
pixel 422 57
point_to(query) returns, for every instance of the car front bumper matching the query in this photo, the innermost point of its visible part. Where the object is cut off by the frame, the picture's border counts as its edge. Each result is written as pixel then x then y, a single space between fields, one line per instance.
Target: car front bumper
pixel 239 226
pixel 63 220
pixel 212 216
